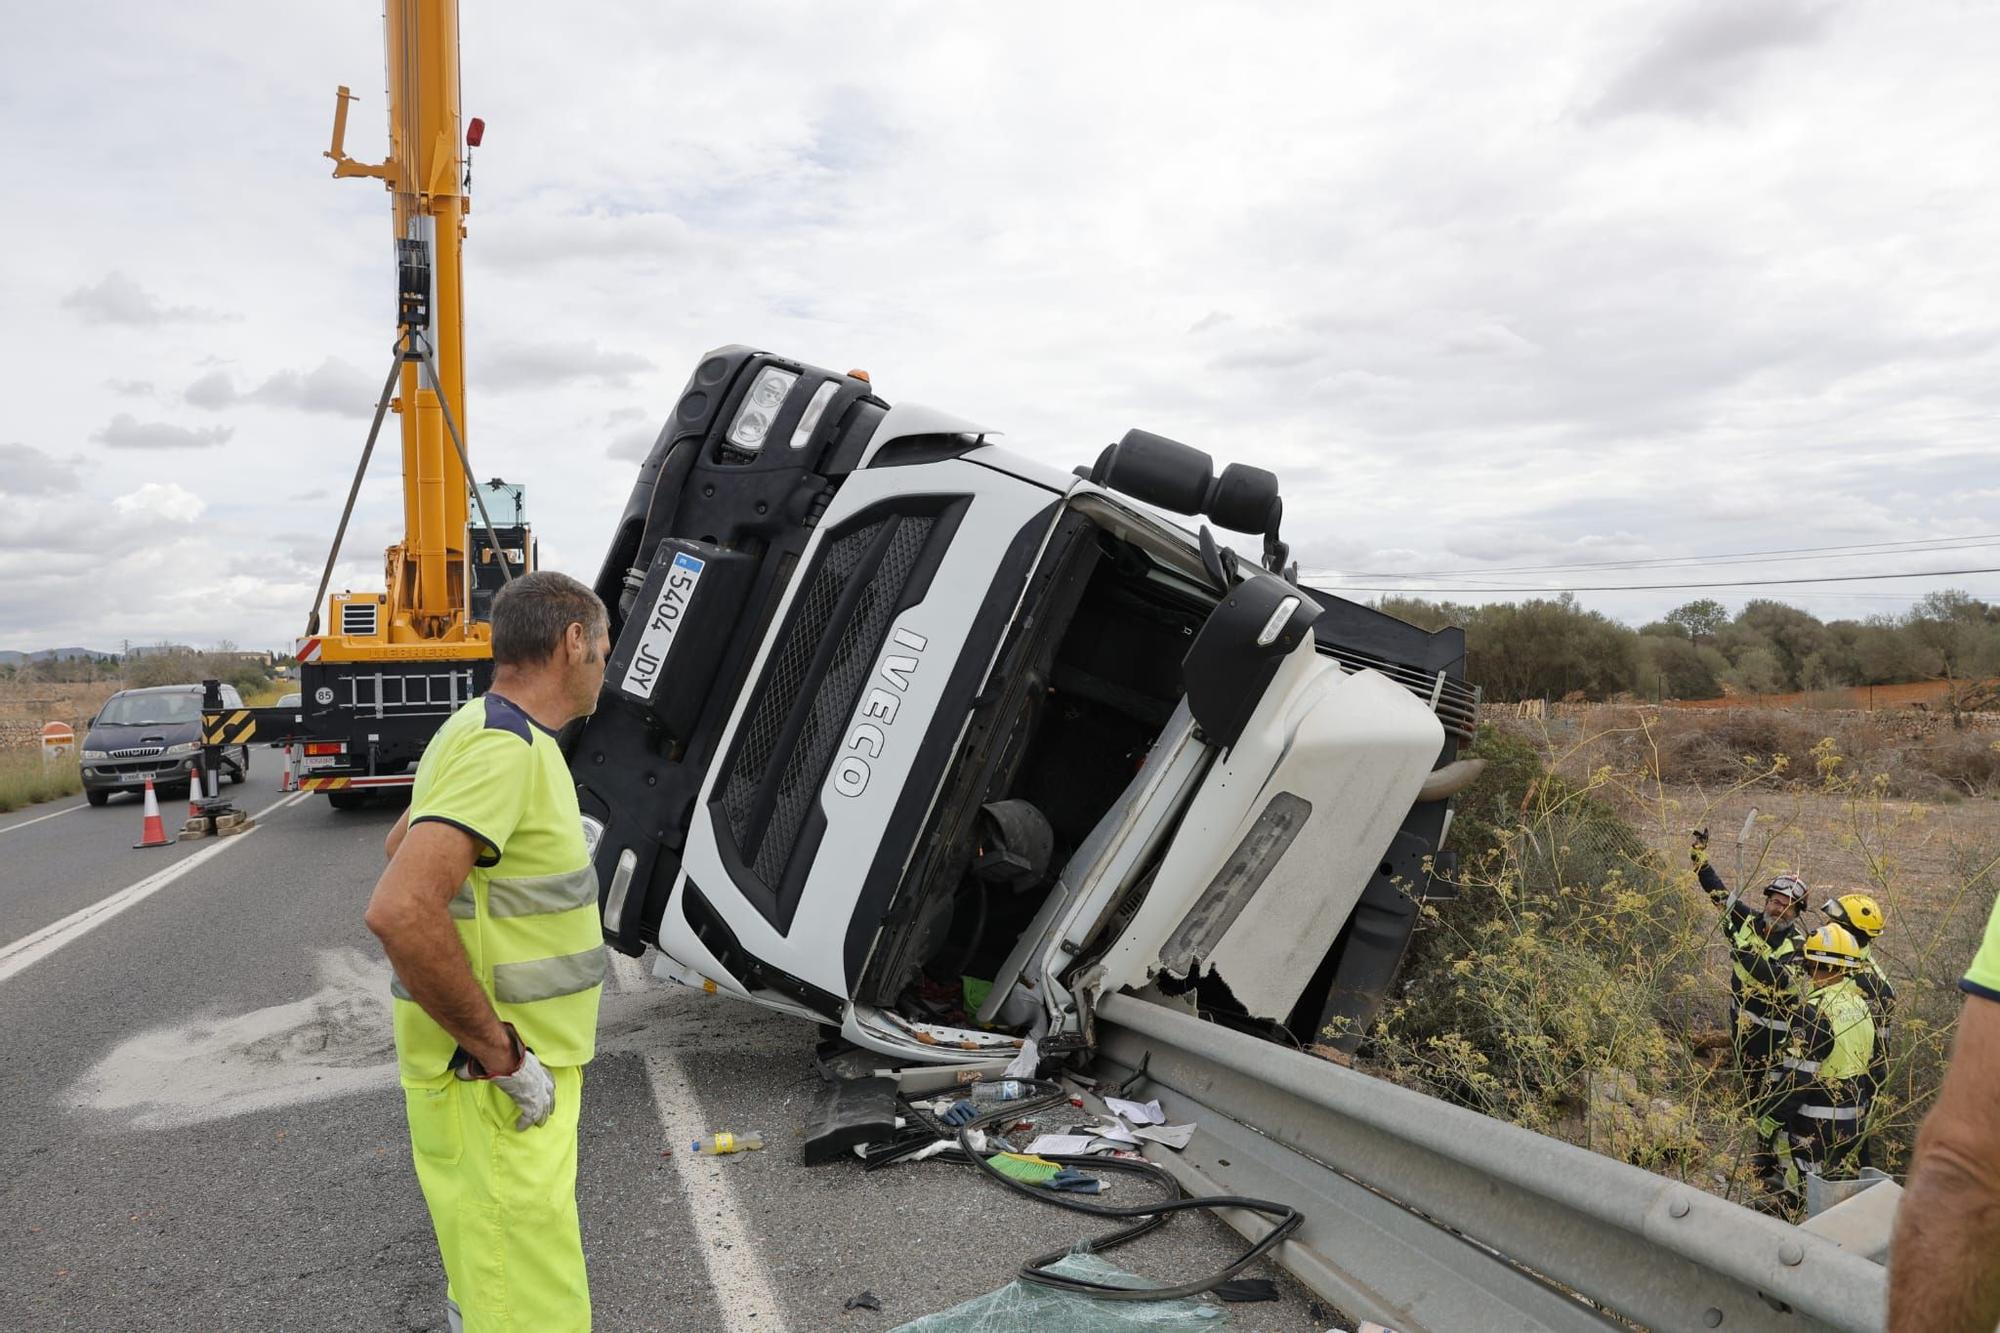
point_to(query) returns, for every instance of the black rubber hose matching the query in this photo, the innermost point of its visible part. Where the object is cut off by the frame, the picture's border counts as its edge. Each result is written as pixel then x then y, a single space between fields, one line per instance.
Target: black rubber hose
pixel 1285 1218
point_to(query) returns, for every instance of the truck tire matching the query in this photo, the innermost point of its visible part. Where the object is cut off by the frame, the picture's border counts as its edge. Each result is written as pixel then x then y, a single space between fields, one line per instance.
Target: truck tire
pixel 96 795
pixel 347 800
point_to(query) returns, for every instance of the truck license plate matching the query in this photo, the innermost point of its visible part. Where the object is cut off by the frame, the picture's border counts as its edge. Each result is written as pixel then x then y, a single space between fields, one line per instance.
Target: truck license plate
pixel 649 659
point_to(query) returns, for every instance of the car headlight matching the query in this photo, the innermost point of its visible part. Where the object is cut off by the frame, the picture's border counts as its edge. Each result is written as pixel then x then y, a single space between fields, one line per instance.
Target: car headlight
pixel 760 406
pixel 96 756
pixel 185 747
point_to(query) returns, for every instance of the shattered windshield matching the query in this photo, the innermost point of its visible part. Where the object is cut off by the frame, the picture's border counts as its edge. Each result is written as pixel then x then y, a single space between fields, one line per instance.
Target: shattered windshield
pixel 151 710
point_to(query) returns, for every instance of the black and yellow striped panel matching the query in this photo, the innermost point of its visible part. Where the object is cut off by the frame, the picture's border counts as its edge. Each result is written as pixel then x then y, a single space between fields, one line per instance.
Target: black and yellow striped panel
pixel 228 728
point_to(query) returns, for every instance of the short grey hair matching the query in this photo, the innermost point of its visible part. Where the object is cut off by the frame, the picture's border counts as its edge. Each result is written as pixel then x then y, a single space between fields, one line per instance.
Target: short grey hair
pixel 533 613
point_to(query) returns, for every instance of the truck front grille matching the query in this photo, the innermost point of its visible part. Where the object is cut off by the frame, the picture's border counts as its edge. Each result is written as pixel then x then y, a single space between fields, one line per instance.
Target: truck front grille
pixel 811 685
pixel 1455 702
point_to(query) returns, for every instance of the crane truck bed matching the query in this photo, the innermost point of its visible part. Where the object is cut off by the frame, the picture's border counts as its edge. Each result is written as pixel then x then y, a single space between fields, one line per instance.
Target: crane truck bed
pixel 907 734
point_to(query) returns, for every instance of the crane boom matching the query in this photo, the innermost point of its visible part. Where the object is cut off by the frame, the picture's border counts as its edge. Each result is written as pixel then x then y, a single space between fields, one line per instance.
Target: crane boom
pixel 425 177
pixel 393 665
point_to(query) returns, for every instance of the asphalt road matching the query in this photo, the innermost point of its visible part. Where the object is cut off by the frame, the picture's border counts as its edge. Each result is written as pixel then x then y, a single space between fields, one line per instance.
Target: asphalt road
pixel 203 1131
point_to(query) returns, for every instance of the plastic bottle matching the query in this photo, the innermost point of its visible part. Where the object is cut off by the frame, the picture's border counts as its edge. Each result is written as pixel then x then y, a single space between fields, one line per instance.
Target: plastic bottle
pixel 1006 1090
pixel 722 1141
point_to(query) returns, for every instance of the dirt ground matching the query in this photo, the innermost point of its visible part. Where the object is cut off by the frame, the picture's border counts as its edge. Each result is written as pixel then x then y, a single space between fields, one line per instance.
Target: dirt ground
pixel 1930 864
pixel 1929 693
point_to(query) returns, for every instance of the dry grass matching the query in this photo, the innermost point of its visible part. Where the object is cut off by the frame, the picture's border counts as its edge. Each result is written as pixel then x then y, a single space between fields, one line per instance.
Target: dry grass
pixel 26 780
pixel 28 704
pixel 1581 954
pixel 1773 749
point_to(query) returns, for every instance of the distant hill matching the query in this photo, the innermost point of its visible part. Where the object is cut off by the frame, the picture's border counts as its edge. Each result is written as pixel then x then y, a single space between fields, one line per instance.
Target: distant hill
pixel 8 657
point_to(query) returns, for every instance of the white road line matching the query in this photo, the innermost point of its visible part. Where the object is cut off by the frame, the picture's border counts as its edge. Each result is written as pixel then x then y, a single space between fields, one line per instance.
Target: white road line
pixel 31 949
pixel 735 1268
pixel 69 810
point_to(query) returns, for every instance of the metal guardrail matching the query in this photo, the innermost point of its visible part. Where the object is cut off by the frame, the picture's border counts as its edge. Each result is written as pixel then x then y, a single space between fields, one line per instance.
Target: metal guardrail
pixel 1426 1216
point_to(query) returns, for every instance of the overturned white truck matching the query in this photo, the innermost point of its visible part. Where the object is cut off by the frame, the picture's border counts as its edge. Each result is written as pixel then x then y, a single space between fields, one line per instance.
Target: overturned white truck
pixel 909 735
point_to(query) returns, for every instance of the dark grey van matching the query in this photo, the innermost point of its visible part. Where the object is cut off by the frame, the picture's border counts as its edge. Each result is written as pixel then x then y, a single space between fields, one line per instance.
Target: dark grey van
pixel 153 733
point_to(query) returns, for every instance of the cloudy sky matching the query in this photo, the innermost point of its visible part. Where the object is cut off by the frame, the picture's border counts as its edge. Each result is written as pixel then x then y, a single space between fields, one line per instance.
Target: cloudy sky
pixel 1493 288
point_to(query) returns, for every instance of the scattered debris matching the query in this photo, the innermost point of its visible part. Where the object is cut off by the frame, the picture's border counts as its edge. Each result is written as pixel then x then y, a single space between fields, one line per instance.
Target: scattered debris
pixel 1062 1145
pixel 1026 1168
pixel 1139 1113
pixel 865 1301
pixel 1026 1307
pixel 847 1112
pixel 722 1143
pixel 1248 1289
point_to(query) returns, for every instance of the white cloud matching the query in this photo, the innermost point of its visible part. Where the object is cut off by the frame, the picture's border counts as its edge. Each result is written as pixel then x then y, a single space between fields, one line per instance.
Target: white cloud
pixel 1705 54
pixel 513 366
pixel 1485 286
pixel 26 470
pixel 125 431
pixel 632 445
pixel 161 499
pixel 117 298
pixel 333 387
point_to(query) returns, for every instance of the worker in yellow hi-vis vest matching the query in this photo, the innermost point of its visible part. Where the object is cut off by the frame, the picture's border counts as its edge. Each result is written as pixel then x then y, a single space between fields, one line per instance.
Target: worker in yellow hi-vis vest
pixel 1819 1108
pixel 488 912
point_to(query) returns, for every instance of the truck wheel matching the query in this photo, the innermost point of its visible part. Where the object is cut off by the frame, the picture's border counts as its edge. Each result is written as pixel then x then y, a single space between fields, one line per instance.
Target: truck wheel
pixel 347 800
pixel 96 795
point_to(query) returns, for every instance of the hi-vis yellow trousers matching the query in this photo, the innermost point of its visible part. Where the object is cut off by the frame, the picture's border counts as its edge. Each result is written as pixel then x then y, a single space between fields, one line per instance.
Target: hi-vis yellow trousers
pixel 503 1205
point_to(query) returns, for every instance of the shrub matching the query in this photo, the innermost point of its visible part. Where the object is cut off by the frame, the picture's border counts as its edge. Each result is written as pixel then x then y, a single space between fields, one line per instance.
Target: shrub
pixel 1578 984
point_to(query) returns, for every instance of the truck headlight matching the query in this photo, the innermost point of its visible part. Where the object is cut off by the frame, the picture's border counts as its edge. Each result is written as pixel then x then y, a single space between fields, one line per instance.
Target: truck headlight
pixel 760 407
pixel 96 756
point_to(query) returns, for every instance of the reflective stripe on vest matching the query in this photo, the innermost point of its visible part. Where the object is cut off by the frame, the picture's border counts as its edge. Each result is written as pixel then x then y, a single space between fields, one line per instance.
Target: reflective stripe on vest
pixel 534 895
pixel 1775 1024
pixel 1802 1066
pixel 548 978
pixel 1830 1112
pixel 537 949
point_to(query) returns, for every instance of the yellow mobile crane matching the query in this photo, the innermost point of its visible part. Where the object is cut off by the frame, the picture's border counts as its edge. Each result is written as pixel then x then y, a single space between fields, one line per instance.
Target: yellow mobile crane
pixel 391 666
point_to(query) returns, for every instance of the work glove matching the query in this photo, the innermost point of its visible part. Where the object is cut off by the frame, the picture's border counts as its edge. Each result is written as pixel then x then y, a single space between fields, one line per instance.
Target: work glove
pixel 1698 853
pixel 1072 1181
pixel 960 1113
pixel 531 1087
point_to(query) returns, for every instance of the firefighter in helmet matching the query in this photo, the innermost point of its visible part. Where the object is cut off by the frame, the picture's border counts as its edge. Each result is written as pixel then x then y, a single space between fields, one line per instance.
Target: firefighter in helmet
pixel 1765 988
pixel 1863 918
pixel 1818 1108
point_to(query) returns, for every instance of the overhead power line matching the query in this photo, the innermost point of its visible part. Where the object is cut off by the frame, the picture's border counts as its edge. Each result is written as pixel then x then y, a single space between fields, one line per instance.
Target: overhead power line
pixel 1671 587
pixel 1785 553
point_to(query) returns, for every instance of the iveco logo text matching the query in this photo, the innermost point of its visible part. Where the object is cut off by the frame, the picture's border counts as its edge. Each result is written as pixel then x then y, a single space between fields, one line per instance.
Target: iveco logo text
pixel 864 743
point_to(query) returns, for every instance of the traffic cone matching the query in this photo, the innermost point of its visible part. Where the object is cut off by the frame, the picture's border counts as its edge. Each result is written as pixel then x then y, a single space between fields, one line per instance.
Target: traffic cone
pixel 288 780
pixel 156 832
pixel 194 792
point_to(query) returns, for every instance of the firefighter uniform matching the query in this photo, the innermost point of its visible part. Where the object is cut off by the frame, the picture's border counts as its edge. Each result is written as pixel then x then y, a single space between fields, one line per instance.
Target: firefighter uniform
pixel 1822 1091
pixel 502 1201
pixel 1764 986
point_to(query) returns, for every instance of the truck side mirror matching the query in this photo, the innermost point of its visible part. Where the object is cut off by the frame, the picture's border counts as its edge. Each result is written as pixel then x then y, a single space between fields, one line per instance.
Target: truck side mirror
pixel 1233 658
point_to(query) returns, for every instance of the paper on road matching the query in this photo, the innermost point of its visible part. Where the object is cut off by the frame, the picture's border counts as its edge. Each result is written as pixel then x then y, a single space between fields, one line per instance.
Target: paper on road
pixel 1174 1136
pixel 1139 1113
pixel 1060 1144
